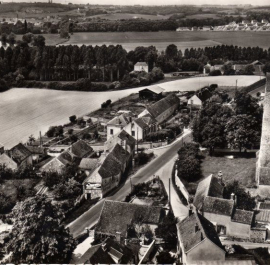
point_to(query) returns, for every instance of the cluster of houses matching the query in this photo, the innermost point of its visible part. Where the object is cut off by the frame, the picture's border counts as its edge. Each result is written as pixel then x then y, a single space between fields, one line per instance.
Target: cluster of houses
pixel 245 25
pixel 238 68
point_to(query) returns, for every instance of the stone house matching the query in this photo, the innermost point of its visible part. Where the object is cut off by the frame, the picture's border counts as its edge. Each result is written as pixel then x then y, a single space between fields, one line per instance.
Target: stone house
pixel 21 155
pixel 8 162
pixel 117 124
pixel 151 93
pixel 199 240
pixel 81 149
pixel 163 109
pixel 141 66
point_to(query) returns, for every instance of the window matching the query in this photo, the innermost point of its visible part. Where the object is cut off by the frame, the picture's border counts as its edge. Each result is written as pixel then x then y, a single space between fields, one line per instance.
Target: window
pixel 221 229
pixel 191 101
pixel 133 133
pixel 111 131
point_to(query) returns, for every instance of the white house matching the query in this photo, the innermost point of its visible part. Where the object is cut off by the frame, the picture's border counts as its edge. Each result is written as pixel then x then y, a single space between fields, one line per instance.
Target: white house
pixel 141 66
pixel 194 101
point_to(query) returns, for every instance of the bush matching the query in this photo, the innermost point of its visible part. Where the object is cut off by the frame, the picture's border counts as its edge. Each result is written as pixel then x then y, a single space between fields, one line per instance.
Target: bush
pixel 143 158
pixel 67 190
pixel 215 73
pixel 160 135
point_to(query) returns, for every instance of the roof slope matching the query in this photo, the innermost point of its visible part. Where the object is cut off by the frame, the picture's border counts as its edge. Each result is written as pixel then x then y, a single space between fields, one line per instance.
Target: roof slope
pixel 145 121
pixel 162 105
pixel 155 89
pixel 117 216
pixel 218 206
pixel 190 237
pixel 19 153
pixel 209 186
pixel 242 216
pixel 7 161
pixel 124 136
pixel 81 149
pixel 141 64
pixel 110 167
pixel 65 158
pixel 88 163
pixel 121 120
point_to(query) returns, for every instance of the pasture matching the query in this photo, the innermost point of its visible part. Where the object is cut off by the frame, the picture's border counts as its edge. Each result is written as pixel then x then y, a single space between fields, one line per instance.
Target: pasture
pixel 28 111
pixel 183 40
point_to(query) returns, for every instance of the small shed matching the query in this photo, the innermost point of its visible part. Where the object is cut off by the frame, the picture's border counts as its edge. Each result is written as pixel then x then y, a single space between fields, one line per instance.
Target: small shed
pixel 141 66
pixel 151 93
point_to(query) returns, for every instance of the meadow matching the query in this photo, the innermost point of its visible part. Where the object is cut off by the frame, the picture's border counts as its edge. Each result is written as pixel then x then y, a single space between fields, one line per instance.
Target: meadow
pixel 183 40
pixel 28 111
pixel 117 16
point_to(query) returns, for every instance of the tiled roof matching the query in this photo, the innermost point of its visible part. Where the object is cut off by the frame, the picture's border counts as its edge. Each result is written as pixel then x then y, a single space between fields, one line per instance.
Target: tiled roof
pixel 145 121
pixel 110 167
pixel 124 136
pixel 81 149
pixel 117 216
pixel 36 149
pixel 141 64
pixel 65 158
pixel 156 89
pixel 190 237
pixel 162 105
pixel 121 120
pixel 120 153
pixel 210 186
pixel 262 216
pixel 242 216
pixel 218 206
pixel 7 161
pixel 19 153
pixel 88 163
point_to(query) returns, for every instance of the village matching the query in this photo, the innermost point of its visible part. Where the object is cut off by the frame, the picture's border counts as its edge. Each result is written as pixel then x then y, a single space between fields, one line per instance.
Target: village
pixel 115 176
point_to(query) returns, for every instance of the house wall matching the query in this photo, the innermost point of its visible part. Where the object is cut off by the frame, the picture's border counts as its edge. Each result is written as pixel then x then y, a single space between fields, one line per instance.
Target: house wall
pixel 141 68
pixel 196 101
pixel 110 183
pixel 138 132
pixel 232 228
pixel 116 129
pixel 143 113
pixel 205 251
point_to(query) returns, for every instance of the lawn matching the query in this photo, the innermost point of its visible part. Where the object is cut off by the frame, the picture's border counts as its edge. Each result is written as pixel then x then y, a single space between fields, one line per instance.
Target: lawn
pixel 240 169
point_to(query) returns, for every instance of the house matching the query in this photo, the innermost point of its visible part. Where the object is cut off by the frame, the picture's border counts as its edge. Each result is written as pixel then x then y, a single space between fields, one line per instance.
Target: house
pixel 81 149
pixel 8 162
pixel 110 251
pixel 117 124
pixel 58 163
pixel 117 217
pixel 124 139
pixel 37 152
pixel 199 240
pixel 206 68
pixel 216 67
pixel 151 93
pixel 265 21
pixel 21 155
pixel 141 66
pixel 108 175
pixel 87 165
pixel 222 212
pixel 141 127
pixel 194 101
pixel 162 109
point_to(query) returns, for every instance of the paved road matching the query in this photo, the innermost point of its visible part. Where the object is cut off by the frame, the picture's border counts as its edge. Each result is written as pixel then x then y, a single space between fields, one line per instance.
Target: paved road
pixel 248 245
pixel 90 218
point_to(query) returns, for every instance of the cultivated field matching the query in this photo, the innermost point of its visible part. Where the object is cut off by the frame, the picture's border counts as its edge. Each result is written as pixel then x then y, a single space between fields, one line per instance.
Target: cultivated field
pixel 202 16
pixel 28 111
pixel 161 40
pixel 117 16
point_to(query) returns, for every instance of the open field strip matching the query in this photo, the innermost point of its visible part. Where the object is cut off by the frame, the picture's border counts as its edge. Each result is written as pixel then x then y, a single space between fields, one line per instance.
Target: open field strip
pixel 27 111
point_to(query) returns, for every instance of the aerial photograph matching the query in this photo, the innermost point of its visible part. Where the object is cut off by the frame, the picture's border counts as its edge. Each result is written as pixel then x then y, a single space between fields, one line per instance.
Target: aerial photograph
pixel 135 132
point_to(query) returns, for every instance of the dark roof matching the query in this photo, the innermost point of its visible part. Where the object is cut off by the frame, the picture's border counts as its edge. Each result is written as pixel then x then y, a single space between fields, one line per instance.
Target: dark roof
pixel 120 153
pixel 145 121
pixel 162 105
pixel 242 216
pixel 96 255
pixel 155 89
pixel 265 205
pixel 124 136
pixel 117 216
pixel 218 206
pixel 190 237
pixel 19 153
pixel 209 186
pixel 81 149
pixel 110 167
pixel 121 120
pixel 203 95
pixel 88 163
pixel 65 158
pixel 36 149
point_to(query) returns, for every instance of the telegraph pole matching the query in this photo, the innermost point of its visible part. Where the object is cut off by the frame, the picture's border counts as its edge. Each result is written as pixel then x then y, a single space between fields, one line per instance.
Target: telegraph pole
pixel 170 192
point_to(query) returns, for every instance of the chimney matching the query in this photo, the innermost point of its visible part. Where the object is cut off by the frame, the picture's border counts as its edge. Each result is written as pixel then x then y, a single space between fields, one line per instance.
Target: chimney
pixel 118 237
pixel 232 196
pixel 196 228
pixel 190 211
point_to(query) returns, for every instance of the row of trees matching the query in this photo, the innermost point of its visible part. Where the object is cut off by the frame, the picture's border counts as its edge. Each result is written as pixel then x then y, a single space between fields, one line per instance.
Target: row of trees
pixel 221 126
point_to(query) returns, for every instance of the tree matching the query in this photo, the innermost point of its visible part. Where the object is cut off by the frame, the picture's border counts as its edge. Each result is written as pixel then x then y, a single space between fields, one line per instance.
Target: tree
pixel 52 178
pixel 28 37
pixel 171 51
pixel 73 118
pixel 244 200
pixel 37 235
pixel 67 190
pixel 12 39
pixel 242 131
pixel 164 257
pixel 38 41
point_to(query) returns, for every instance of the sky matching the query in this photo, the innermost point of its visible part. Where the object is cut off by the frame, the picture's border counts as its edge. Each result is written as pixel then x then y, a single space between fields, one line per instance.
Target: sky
pixel 157 2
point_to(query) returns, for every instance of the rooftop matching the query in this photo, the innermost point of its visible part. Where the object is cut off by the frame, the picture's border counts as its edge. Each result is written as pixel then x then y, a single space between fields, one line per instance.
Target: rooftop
pixel 81 149
pixel 121 120
pixel 218 206
pixel 141 64
pixel 19 153
pixel 156 89
pixel 242 216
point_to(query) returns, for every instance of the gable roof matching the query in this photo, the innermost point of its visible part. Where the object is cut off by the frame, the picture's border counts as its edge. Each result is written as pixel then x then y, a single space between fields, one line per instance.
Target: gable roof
pixel 7 161
pixel 121 120
pixel 162 105
pixel 209 186
pixel 65 158
pixel 242 216
pixel 81 149
pixel 190 237
pixel 145 121
pixel 36 149
pixel 88 163
pixel 218 206
pixel 124 136
pixel 120 153
pixel 155 89
pixel 19 153
pixel 141 64
pixel 118 216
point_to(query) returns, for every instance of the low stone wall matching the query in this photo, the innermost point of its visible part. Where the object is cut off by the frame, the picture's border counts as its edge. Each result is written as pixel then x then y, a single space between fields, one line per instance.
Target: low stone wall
pixel 181 186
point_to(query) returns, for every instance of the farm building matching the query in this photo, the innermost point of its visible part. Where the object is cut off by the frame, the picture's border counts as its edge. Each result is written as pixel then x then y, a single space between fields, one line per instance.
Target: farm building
pixel 151 93
pixel 141 66
pixel 21 155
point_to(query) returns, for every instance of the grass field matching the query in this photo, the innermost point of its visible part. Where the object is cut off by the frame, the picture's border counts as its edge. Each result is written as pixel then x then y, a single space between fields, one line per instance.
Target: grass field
pixel 117 16
pixel 202 16
pixel 162 39
pixel 28 111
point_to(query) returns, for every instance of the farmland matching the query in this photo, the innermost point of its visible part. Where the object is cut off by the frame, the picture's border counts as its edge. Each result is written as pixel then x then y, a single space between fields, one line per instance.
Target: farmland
pixel 117 16
pixel 28 111
pixel 161 40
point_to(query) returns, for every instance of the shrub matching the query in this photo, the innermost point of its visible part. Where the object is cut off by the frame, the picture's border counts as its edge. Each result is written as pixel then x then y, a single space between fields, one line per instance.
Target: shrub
pixel 143 158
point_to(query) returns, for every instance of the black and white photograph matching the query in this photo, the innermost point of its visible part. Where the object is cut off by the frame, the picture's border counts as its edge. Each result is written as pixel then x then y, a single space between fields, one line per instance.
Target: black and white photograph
pixel 135 132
